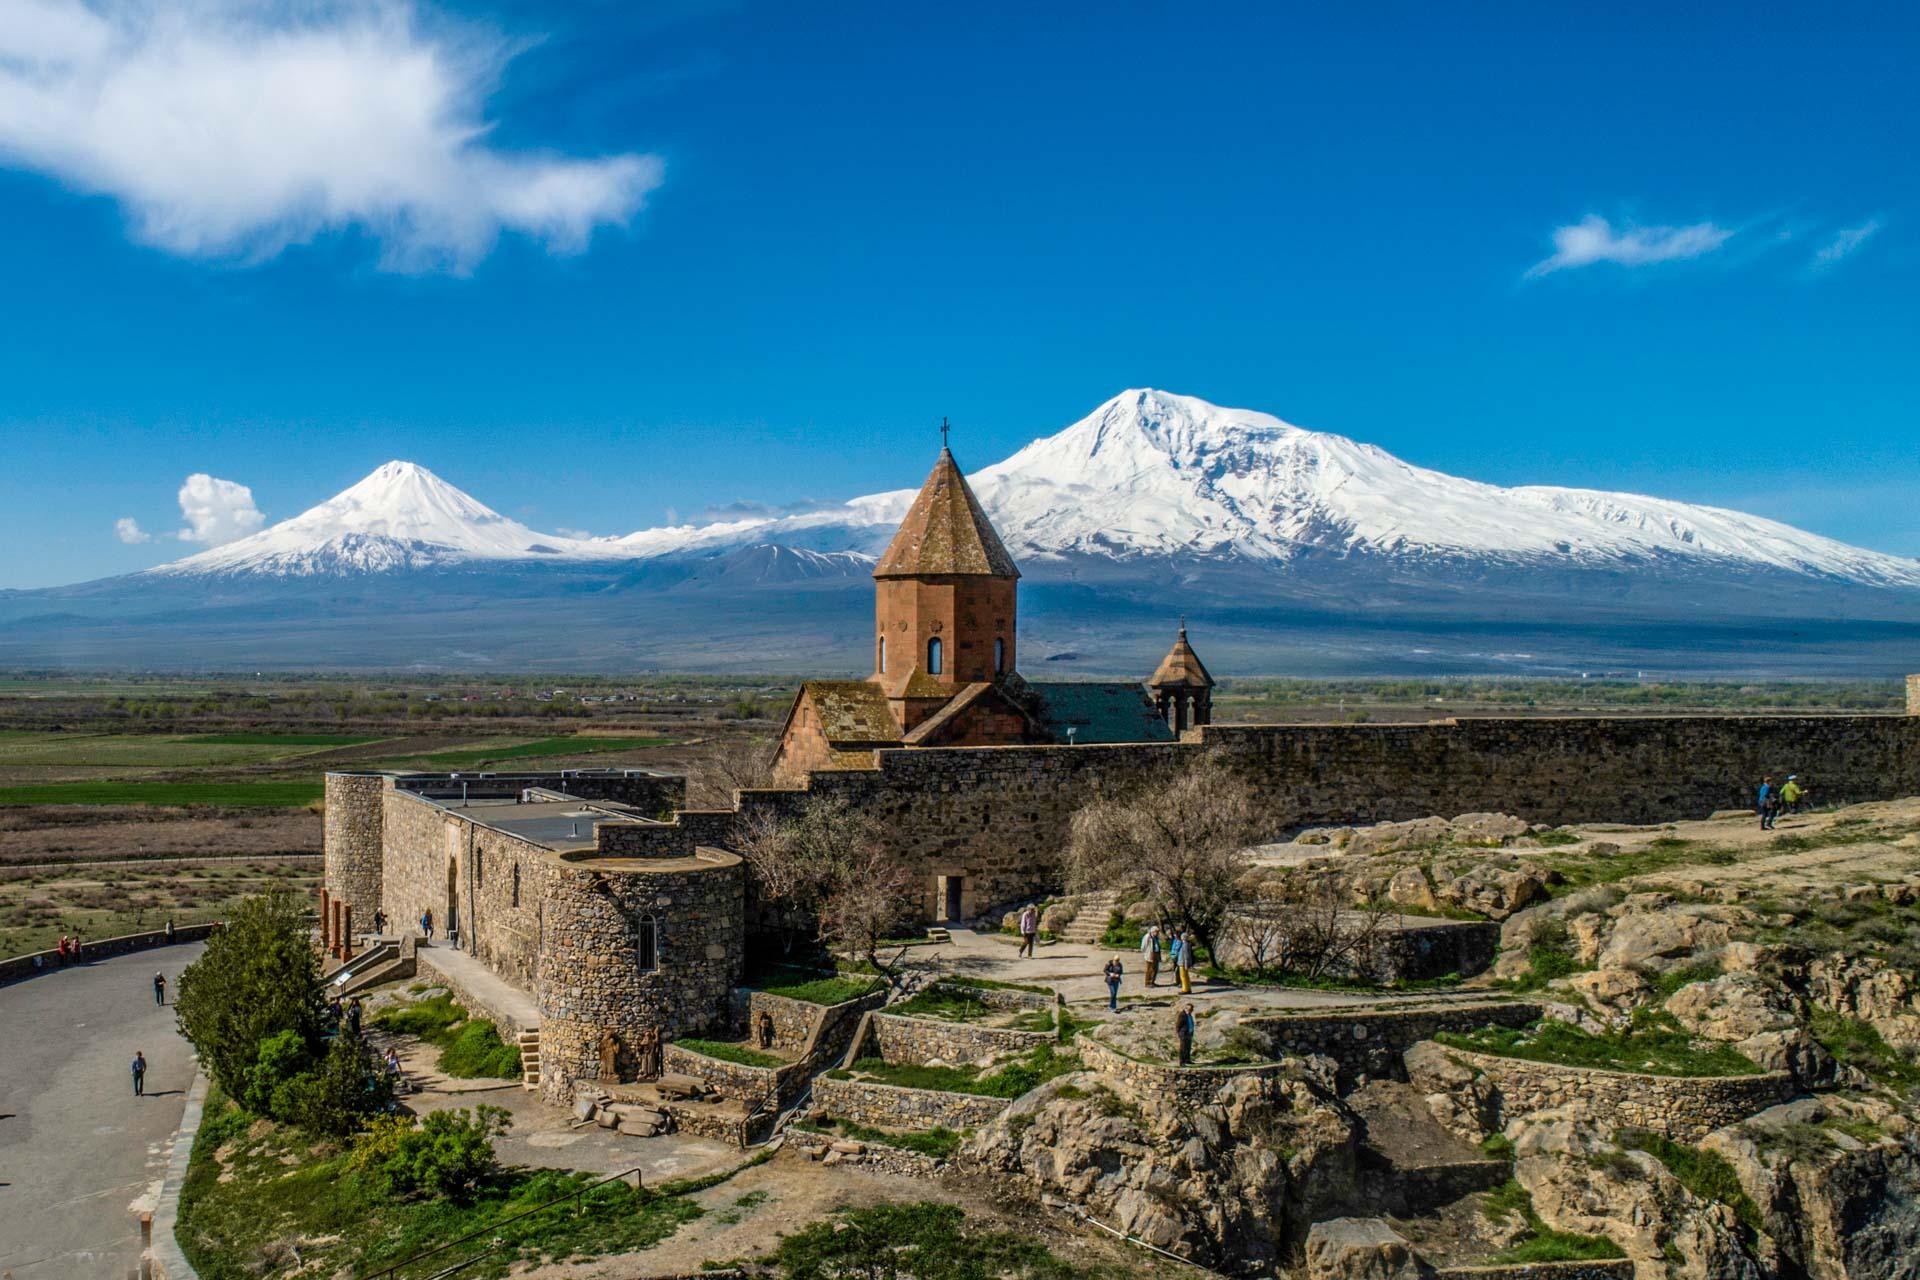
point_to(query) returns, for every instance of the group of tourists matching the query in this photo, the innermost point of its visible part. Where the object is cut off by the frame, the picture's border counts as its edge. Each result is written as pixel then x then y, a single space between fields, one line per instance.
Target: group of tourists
pixel 1790 797
pixel 71 950
pixel 1177 946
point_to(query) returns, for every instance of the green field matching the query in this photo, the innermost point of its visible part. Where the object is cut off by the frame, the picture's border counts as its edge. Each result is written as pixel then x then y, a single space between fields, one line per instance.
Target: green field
pixel 562 746
pixel 133 750
pixel 274 793
pixel 281 739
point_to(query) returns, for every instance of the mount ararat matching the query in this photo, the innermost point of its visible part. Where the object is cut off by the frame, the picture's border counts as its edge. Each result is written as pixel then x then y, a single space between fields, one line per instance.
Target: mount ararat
pixel 1289 550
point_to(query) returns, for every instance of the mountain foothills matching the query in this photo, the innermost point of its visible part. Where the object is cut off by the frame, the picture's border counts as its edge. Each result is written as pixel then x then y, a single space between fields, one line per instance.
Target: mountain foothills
pixel 1290 550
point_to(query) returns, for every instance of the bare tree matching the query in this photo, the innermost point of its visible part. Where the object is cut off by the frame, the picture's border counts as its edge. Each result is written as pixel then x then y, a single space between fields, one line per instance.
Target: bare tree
pixel 726 765
pixel 830 862
pixel 1314 925
pixel 1181 838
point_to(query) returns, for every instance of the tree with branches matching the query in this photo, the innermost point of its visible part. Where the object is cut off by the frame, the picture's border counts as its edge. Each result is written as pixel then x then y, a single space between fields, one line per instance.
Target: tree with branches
pixel 829 863
pixel 1180 839
pixel 1312 924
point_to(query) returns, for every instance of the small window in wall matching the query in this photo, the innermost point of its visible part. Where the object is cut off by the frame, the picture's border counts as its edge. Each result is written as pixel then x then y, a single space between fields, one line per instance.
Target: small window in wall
pixel 646 944
pixel 479 864
pixel 516 884
pixel 999 657
pixel 935 654
pixel 880 658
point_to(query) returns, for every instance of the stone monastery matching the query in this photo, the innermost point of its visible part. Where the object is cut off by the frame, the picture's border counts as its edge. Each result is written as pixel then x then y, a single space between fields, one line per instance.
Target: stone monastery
pixel 618 918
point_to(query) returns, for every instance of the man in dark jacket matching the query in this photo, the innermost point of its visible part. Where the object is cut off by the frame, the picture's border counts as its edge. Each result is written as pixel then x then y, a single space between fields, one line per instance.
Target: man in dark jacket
pixel 1183 1028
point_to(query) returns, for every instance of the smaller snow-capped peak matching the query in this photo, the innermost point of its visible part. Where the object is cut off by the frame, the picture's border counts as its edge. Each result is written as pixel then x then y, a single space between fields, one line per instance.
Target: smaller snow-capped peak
pixel 401 516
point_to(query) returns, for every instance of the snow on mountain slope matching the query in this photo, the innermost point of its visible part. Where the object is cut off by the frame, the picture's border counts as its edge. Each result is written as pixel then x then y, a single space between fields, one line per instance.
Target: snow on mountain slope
pixel 400 516
pixel 1147 475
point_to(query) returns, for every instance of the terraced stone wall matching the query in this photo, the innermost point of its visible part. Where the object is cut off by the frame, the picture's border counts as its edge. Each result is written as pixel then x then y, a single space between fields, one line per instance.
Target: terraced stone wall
pixel 1369 1042
pixel 886 1106
pixel 1153 1081
pixel 1684 1108
pixel 917 1041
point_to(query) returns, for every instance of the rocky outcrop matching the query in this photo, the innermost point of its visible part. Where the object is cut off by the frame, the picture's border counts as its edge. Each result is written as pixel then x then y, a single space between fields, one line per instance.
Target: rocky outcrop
pixel 1837 1182
pixel 1359 1249
pixel 1867 988
pixel 1233 1183
pixel 1581 1182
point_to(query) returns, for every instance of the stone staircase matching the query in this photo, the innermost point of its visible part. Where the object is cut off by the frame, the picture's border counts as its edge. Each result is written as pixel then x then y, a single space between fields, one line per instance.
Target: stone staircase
pixel 529 1044
pixel 1095 909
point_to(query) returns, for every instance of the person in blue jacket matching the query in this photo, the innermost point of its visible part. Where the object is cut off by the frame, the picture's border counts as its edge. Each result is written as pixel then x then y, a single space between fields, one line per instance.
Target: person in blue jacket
pixel 1768 803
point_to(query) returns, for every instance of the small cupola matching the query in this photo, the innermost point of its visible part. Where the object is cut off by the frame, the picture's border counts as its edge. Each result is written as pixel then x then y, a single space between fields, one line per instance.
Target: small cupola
pixel 1182 689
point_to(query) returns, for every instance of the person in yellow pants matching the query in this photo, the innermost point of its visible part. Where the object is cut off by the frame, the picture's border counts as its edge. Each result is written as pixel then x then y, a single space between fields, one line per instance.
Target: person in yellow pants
pixel 1183 962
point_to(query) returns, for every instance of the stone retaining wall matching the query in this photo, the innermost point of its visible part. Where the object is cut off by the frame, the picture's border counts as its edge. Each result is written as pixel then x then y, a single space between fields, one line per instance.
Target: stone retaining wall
pixel 751 1085
pixel 1000 999
pixel 914 1041
pixel 1606 1269
pixel 1684 1108
pixel 13 968
pixel 886 1106
pixel 1369 1042
pixel 1150 1081
pixel 504 1022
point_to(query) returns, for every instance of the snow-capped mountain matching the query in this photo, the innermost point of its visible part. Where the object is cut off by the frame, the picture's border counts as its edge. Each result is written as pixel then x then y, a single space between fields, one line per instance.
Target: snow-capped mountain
pixel 1148 475
pixel 402 516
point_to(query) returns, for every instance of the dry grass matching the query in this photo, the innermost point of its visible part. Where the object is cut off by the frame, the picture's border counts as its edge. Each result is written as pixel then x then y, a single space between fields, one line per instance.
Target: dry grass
pixel 36 907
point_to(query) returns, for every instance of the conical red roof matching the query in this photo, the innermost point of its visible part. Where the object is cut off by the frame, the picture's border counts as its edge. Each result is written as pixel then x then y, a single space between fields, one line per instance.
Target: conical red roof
pixel 1181 668
pixel 945 531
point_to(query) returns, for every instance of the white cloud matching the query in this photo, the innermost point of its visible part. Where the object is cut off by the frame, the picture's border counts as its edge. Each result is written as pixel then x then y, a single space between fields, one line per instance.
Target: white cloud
pixel 232 129
pixel 216 511
pixel 1593 239
pixel 128 530
pixel 1844 242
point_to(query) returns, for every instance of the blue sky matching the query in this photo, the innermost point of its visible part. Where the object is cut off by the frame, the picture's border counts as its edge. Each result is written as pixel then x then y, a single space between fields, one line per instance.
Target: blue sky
pixel 602 263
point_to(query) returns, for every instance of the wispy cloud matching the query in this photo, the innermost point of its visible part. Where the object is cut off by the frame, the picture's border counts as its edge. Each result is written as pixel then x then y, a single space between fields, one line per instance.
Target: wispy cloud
pixel 232 129
pixel 216 511
pixel 1843 243
pixel 1595 240
pixel 128 530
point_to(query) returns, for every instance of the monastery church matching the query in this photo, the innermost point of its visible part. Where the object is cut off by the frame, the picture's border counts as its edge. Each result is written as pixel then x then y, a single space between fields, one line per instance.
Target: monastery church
pixel 945 649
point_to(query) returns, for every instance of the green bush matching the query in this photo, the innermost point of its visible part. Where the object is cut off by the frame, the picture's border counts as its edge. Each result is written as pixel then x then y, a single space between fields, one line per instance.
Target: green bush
pixel 255 981
pixel 923 1241
pixel 280 1060
pixel 450 1155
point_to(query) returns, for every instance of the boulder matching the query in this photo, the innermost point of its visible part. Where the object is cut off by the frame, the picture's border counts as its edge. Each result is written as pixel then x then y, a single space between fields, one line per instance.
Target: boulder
pixel 1389 836
pixel 1493 889
pixel 1588 935
pixel 1661 940
pixel 584 1108
pixel 606 1119
pixel 1409 888
pixel 1733 1006
pixel 1058 916
pixel 1487 828
pixel 1359 1249
pixel 1613 992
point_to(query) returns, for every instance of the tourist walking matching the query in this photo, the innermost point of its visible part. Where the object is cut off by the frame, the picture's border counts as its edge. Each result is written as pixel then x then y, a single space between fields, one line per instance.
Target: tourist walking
pixel 1113 973
pixel 139 1074
pixel 1183 1027
pixel 1768 803
pixel 1150 953
pixel 1790 793
pixel 1185 966
pixel 1029 928
pixel 159 988
pixel 426 924
pixel 379 922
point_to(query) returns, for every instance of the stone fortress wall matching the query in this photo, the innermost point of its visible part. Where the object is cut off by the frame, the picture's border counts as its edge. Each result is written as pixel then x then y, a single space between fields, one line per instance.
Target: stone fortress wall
pixel 1000 815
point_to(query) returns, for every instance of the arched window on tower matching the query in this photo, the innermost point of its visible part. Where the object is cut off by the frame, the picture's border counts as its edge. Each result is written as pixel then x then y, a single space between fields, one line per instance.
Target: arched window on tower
pixel 646 944
pixel 880 657
pixel 999 656
pixel 934 653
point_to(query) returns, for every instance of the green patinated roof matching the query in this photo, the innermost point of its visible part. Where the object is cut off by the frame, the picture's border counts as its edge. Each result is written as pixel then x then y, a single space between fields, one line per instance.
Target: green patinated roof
pixel 945 531
pixel 1097 712
pixel 851 711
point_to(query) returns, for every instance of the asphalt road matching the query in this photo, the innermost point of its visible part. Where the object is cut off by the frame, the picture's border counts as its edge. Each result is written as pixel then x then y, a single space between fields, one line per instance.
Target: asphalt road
pixel 77 1149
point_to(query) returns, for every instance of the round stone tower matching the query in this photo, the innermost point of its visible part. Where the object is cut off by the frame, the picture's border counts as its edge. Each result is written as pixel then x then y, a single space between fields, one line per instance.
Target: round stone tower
pixel 635 952
pixel 355 842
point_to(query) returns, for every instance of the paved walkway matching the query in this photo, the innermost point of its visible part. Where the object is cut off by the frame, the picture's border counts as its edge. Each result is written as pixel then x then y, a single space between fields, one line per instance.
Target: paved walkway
pixel 493 991
pixel 77 1149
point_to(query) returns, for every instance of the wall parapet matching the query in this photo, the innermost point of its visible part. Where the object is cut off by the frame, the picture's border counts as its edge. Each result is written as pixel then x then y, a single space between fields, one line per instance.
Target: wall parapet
pixel 34 963
pixel 1683 1108
pixel 1369 1041
pixel 890 1106
pixel 1154 1081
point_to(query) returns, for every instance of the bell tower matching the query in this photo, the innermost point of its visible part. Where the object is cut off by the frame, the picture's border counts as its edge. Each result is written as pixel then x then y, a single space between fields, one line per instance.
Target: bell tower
pixel 944 599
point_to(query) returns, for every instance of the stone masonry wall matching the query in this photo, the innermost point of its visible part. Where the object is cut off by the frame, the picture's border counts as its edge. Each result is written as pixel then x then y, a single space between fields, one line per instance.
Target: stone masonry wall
pixel 589 983
pixel 737 1080
pixel 1913 695
pixel 504 1021
pixel 915 1041
pixel 999 815
pixel 354 849
pixel 1153 1081
pixel 1684 1108
pixel 887 1106
pixel 793 1021
pixel 1369 1042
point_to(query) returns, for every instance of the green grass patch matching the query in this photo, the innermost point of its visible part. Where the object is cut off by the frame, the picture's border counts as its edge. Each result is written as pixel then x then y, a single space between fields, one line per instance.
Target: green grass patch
pixel 225 795
pixel 939 1142
pixel 1654 1043
pixel 242 1212
pixel 989 984
pixel 470 1048
pixel 923 1241
pixel 1581 869
pixel 1324 982
pixel 1122 934
pixel 1545 963
pixel 561 746
pixel 827 989
pixel 728 1051
pixel 1671 981
pixel 1009 1080
pixel 1857 1044
pixel 948 1004
pixel 282 739
pixel 1542 1243
pixel 1705 1173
